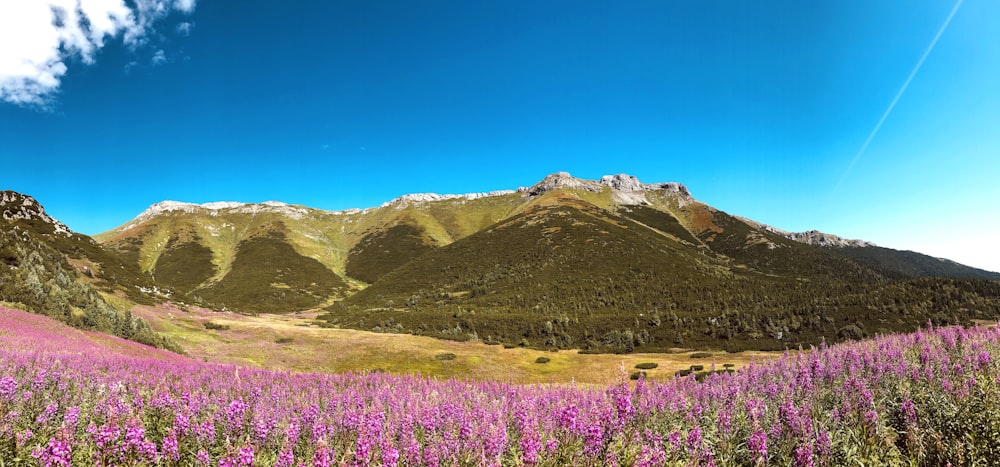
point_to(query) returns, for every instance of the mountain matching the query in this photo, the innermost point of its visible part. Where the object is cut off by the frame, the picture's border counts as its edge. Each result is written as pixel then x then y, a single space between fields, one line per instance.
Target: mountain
pixel 48 269
pixel 607 265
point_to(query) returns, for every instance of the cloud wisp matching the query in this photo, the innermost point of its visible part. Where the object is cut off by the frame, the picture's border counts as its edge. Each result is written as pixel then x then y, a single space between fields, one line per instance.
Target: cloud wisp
pixel 902 89
pixel 39 38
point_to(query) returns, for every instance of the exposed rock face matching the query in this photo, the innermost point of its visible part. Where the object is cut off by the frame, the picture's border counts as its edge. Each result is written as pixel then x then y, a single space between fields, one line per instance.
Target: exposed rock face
pixel 627 189
pixel 815 237
pixel 811 237
pixel 15 206
pixel 562 180
pixel 295 212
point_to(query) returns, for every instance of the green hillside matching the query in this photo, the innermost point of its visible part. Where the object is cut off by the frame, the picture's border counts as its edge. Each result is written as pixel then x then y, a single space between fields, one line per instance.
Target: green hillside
pixel 606 265
pixel 46 269
pixel 570 274
pixel 269 276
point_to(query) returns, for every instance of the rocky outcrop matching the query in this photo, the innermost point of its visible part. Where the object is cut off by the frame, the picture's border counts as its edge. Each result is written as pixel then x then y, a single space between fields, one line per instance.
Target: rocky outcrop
pixel 627 189
pixel 811 237
pixel 15 206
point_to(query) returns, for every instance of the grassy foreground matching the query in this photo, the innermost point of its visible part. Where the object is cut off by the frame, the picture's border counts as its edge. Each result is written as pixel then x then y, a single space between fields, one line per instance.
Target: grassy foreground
pixel 926 398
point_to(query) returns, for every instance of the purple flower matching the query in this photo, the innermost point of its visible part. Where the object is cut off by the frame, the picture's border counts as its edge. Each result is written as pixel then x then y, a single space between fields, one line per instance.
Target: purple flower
pixel 823 443
pixel 72 415
pixel 323 457
pixel 567 417
pixel 56 453
pixel 182 423
pixel 983 358
pixel 245 456
pixel 8 387
pixel 758 446
pixel 530 446
pixel 285 459
pixel 170 446
pixel 804 456
pixel 909 411
pixel 694 439
pixel 593 440
pixel 235 413
pixel 202 458
pixel 390 456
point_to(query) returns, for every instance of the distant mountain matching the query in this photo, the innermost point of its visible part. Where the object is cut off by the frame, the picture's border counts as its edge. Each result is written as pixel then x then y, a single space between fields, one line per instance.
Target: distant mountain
pixel 48 269
pixel 609 265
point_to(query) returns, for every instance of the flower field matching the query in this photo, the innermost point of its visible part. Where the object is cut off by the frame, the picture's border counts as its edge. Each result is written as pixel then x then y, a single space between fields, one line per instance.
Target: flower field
pixel 926 398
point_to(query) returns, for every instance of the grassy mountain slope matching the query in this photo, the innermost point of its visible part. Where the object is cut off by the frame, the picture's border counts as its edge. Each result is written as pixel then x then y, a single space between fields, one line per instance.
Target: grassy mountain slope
pixel 269 276
pixel 569 273
pixel 199 251
pixel 604 265
pixel 909 264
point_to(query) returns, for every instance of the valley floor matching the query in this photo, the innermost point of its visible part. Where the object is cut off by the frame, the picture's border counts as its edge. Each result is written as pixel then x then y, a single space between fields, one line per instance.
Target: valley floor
pixel 296 343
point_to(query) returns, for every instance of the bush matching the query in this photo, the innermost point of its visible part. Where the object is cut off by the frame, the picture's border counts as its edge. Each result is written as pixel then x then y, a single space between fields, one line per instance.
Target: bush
pixel 697 367
pixel 216 327
pixel 542 360
pixel 637 375
pixel 701 355
pixel 284 340
pixel 851 332
pixel 646 365
pixel 445 356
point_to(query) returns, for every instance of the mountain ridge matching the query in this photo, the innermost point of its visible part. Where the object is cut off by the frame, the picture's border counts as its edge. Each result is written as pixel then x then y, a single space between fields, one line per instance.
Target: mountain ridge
pixel 627 189
pixel 612 264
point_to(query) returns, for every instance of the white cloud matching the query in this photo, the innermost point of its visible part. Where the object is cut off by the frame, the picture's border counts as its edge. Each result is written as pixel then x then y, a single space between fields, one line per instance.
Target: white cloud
pixel 187 6
pixel 38 38
pixel 159 57
pixel 184 28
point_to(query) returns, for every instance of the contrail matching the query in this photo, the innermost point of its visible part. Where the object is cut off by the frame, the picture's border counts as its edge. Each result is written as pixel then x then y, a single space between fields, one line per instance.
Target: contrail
pixel 899 94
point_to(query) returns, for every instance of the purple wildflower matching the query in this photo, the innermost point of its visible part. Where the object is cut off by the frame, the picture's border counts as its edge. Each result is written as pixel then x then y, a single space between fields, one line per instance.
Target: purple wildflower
pixel 758 446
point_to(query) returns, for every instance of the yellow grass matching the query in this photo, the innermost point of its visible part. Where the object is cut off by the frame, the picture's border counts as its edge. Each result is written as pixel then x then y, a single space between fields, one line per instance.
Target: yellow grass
pixel 253 340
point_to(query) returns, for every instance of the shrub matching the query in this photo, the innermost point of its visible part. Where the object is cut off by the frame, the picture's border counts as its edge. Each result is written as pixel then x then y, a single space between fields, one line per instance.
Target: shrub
pixel 445 356
pixel 216 327
pixel 542 360
pixel 697 367
pixel 701 355
pixel 637 375
pixel 284 340
pixel 851 332
pixel 647 365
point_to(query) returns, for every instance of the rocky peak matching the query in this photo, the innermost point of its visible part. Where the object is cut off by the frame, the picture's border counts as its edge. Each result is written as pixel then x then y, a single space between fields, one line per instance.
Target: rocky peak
pixel 627 188
pixel 14 206
pixel 561 180
pixel 622 182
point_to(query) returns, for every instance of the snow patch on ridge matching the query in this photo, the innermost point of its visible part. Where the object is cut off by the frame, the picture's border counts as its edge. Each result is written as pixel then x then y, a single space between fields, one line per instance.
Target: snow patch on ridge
pixel 429 197
pixel 216 208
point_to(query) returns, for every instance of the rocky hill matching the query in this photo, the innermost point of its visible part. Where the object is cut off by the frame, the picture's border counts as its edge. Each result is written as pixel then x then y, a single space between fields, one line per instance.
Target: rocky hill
pixel 48 269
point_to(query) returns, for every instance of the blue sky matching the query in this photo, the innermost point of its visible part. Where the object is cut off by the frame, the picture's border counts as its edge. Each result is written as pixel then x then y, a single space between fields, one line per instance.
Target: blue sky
pixel 758 107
